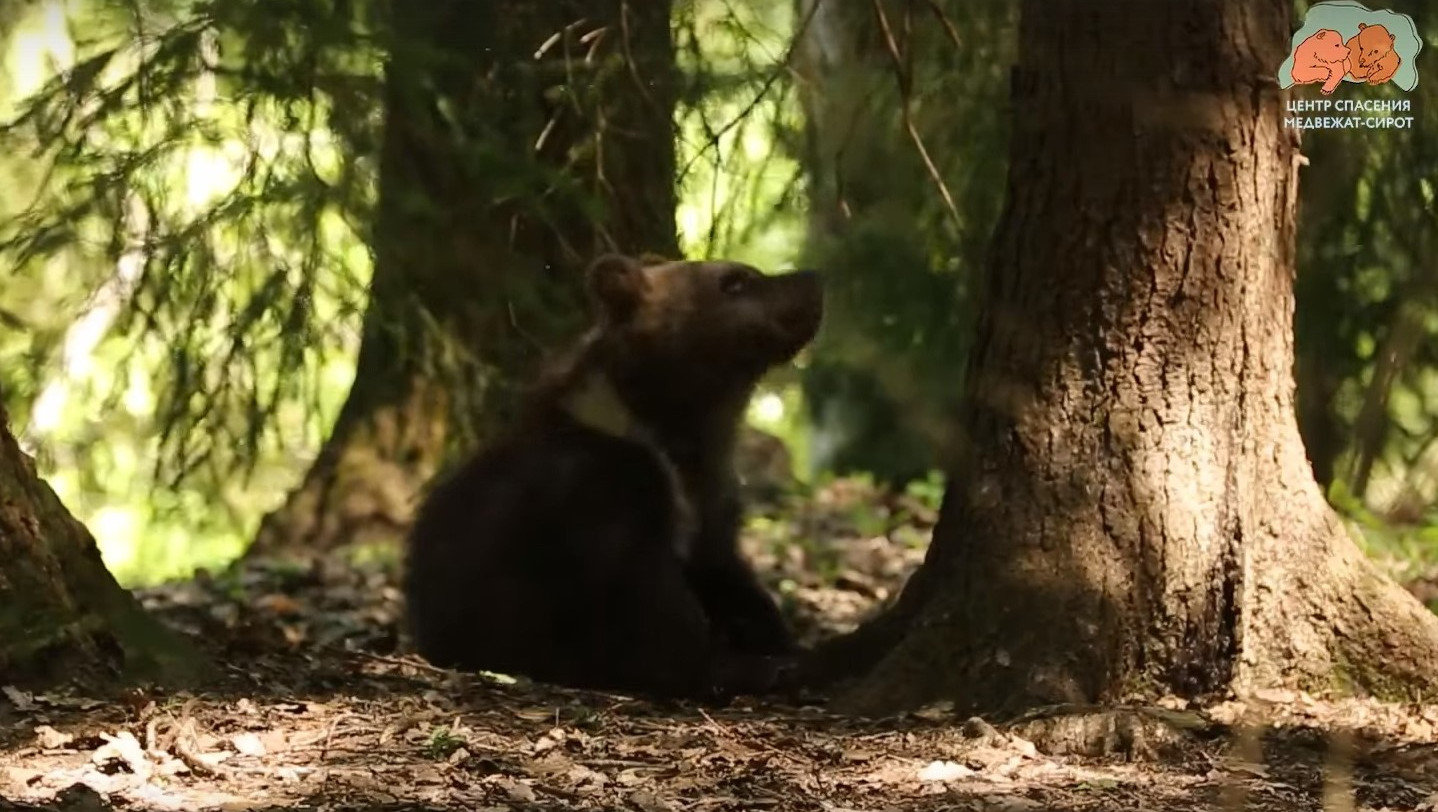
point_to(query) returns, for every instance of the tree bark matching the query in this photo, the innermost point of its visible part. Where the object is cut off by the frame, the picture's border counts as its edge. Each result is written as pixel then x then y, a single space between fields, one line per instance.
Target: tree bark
pixel 1133 514
pixel 62 615
pixel 501 174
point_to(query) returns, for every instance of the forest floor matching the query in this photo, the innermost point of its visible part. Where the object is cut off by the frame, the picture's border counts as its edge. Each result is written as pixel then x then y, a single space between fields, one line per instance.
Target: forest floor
pixel 319 710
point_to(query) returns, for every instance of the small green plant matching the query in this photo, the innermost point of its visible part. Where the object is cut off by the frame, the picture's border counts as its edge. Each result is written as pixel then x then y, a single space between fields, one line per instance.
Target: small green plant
pixel 909 536
pixel 928 491
pixel 384 556
pixel 443 743
pixel 1406 552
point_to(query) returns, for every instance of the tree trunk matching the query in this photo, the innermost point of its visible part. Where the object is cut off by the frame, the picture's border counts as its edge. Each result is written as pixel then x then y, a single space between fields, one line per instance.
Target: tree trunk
pixel 501 175
pixel 1133 514
pixel 62 616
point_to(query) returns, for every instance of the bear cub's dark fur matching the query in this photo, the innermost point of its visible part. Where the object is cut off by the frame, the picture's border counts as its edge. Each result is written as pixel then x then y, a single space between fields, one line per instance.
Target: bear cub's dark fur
pixel 596 545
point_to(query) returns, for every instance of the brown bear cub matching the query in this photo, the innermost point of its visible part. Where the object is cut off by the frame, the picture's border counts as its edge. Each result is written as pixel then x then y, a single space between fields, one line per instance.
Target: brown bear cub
pixel 596 545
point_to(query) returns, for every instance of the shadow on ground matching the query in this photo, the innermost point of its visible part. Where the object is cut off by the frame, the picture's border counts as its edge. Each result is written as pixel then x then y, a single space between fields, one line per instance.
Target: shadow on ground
pixel 319 709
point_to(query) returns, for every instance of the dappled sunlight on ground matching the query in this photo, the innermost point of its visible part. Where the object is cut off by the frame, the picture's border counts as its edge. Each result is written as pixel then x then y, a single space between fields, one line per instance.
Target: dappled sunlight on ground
pixel 321 709
pixel 358 732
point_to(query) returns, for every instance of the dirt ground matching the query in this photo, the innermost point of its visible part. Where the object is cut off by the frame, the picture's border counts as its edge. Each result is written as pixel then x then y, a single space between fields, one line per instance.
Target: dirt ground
pixel 320 709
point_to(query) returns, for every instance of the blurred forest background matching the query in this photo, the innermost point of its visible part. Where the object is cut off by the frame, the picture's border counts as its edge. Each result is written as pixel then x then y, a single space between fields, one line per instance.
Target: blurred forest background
pixel 205 218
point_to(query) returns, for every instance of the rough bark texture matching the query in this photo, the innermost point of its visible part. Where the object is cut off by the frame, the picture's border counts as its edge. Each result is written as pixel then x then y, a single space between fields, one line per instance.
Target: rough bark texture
pixel 502 174
pixel 62 616
pixel 1134 513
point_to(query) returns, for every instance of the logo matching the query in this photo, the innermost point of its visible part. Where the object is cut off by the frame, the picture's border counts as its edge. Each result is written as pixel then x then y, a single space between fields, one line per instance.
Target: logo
pixel 1344 44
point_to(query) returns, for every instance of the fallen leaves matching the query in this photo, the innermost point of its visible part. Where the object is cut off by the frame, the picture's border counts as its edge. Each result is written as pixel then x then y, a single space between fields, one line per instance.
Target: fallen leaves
pixel 479 745
pixel 48 738
pixel 323 712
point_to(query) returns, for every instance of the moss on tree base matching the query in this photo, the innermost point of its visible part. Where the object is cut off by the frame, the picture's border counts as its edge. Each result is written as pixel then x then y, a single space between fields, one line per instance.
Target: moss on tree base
pixel 63 617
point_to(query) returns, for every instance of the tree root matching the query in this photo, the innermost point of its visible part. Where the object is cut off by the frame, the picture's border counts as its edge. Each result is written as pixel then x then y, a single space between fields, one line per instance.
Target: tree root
pixel 1139 733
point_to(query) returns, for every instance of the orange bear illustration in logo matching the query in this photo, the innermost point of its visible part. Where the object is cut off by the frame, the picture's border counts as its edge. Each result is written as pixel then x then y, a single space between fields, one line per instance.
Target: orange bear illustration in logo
pixel 1371 56
pixel 1322 58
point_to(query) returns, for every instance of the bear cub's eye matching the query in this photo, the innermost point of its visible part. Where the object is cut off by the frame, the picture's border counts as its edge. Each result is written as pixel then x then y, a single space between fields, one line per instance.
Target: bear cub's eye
pixel 736 281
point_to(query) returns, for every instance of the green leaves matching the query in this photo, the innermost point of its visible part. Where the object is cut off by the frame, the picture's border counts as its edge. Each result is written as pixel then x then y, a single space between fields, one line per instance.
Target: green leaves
pixel 194 144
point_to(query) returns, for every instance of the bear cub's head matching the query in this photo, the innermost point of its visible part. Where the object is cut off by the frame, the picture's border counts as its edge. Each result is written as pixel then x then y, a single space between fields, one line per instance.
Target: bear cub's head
pixel 711 323
pixel 1327 46
pixel 1371 44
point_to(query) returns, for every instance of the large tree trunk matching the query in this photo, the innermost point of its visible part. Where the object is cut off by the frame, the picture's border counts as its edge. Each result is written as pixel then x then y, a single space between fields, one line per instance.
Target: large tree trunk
pixel 501 175
pixel 62 616
pixel 1133 513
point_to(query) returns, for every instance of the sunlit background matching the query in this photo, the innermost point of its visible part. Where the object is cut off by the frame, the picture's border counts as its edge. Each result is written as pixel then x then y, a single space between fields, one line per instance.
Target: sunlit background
pixel 217 164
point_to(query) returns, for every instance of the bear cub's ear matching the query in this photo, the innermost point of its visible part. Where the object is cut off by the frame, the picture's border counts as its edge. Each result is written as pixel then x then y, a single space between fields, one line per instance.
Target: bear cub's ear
pixel 616 283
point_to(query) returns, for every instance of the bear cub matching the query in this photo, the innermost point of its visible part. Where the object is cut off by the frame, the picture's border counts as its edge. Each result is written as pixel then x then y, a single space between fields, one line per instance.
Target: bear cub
pixel 1372 59
pixel 596 544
